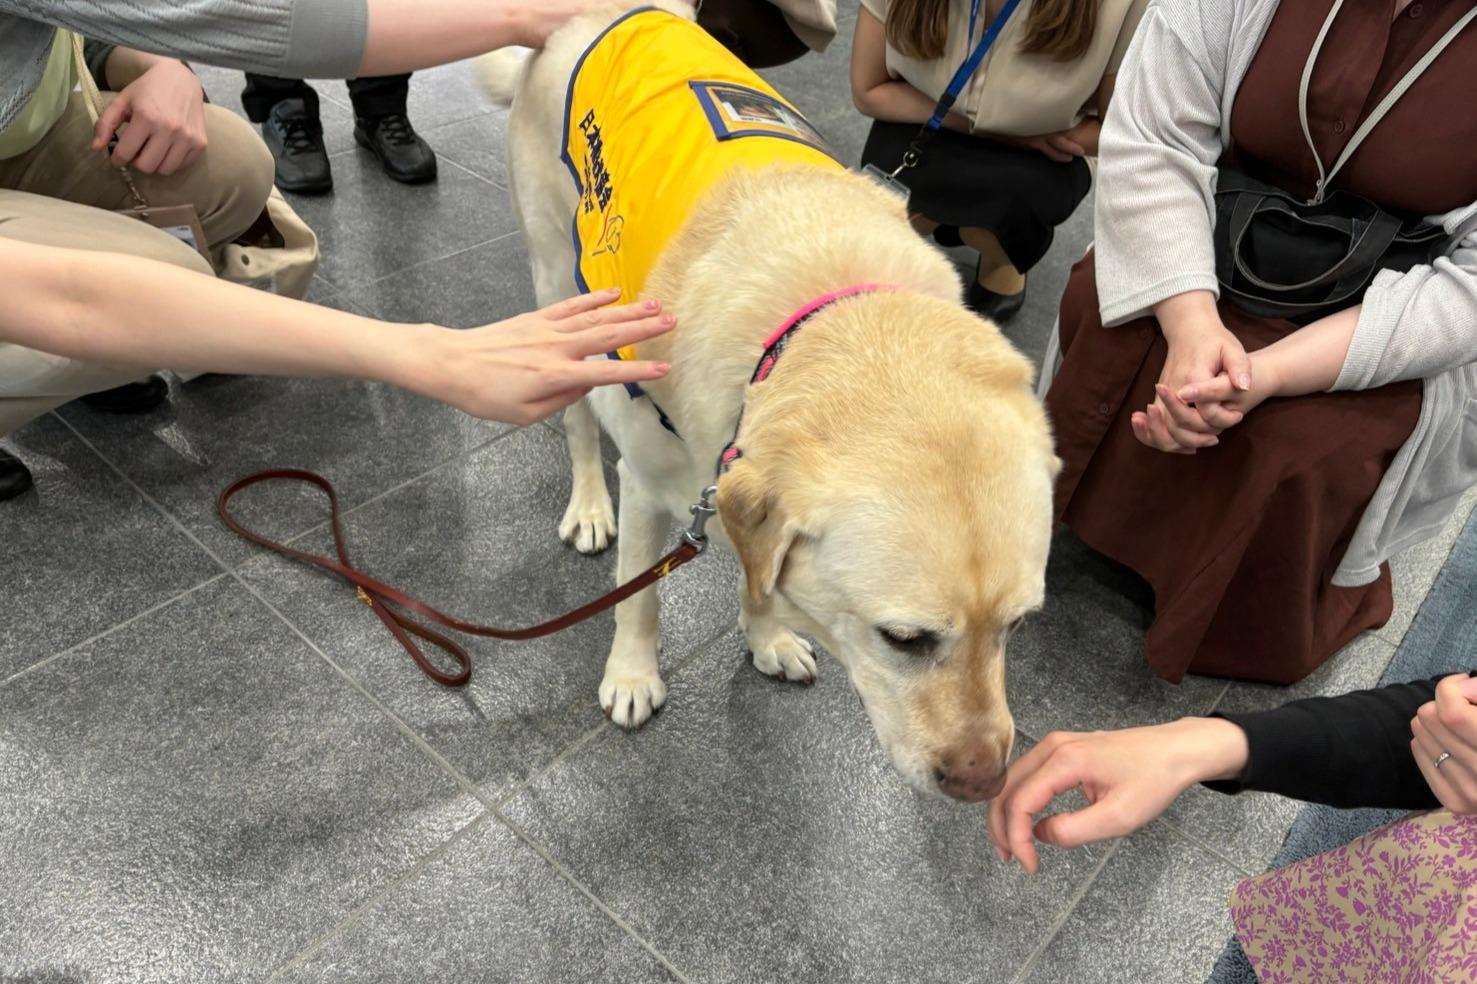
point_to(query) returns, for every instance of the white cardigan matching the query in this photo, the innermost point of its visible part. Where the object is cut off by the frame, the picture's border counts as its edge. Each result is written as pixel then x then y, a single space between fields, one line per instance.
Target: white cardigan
pixel 1166 128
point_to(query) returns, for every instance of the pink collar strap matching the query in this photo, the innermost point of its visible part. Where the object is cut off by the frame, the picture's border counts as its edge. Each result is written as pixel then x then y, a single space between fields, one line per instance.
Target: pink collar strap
pixel 775 346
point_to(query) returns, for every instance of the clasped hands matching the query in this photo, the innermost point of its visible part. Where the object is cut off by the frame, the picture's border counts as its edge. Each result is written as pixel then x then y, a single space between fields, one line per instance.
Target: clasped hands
pixel 1209 384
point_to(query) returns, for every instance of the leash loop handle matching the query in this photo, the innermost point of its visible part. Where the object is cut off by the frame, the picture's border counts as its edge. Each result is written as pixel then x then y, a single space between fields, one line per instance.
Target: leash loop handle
pixel 390 604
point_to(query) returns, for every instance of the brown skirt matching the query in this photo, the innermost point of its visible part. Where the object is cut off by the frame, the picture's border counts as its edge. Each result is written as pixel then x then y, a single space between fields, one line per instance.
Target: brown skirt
pixel 1240 541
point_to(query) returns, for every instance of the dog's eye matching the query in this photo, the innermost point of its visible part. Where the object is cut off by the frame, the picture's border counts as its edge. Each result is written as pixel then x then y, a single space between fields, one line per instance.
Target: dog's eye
pixel 914 642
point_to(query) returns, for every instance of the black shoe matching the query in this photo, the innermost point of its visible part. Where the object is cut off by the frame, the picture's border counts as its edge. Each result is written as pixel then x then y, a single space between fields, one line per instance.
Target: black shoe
pixel 15 477
pixel 295 138
pixel 403 154
pixel 999 308
pixel 131 398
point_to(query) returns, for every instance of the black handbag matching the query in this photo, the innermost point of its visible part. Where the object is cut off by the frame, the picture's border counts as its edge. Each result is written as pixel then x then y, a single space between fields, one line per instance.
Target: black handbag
pixel 1279 256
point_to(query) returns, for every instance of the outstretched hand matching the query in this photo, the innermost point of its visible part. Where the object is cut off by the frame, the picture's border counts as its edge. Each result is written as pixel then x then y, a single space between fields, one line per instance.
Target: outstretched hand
pixel 527 367
pixel 1128 777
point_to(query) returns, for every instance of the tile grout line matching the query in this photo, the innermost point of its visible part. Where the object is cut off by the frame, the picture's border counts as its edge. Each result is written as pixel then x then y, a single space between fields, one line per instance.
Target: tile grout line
pixel 1061 920
pixel 424 746
pixel 98 637
pixel 424 263
pixel 467 170
pixel 583 889
pixel 587 738
pixel 415 739
pixel 1218 698
pixel 357 914
pixel 1196 842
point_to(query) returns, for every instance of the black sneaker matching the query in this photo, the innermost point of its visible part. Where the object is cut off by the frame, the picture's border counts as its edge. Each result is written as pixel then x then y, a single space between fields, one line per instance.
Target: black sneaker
pixel 138 397
pixel 401 151
pixel 15 477
pixel 295 138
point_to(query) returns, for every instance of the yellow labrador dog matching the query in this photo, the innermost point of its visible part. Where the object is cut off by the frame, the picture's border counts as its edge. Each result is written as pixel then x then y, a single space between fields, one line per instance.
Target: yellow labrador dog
pixel 889 487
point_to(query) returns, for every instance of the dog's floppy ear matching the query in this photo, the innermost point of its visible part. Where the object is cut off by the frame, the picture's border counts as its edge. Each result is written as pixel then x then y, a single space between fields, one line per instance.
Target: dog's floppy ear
pixel 757 524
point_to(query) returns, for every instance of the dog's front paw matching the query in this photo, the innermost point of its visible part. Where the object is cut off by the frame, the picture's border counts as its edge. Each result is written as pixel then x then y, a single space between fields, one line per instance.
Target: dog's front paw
pixel 589 522
pixel 630 699
pixel 783 654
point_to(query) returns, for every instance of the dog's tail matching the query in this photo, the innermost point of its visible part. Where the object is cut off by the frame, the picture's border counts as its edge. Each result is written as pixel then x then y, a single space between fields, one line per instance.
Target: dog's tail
pixel 501 71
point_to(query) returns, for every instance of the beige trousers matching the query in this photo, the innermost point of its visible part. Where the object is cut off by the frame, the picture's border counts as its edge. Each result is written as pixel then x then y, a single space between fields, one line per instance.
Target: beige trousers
pixel 62 193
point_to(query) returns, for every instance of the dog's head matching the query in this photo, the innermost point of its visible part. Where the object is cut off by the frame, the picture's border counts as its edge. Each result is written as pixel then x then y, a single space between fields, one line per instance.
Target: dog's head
pixel 896 502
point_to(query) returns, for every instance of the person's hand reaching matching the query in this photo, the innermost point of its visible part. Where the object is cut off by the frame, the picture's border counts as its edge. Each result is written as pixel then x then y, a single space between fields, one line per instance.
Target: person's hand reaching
pixel 525 368
pixel 1129 777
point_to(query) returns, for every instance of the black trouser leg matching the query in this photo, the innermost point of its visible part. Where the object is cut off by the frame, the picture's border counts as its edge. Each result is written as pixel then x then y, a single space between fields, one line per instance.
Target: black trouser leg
pixel 262 92
pixel 754 30
pixel 380 96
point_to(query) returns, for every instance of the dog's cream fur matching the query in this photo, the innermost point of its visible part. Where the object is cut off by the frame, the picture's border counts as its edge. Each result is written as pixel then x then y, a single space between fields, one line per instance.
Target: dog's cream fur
pixel 897 469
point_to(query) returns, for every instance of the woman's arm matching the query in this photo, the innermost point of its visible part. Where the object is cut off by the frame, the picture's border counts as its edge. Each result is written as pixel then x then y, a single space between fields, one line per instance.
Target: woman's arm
pixel 1371 748
pixel 1419 323
pixel 401 37
pixel 1159 145
pixel 123 310
pixel 310 38
pixel 1306 361
pixel 876 93
pixel 1348 751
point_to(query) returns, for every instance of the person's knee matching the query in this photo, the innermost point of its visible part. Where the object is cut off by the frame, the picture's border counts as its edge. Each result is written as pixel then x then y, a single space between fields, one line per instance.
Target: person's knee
pixel 241 175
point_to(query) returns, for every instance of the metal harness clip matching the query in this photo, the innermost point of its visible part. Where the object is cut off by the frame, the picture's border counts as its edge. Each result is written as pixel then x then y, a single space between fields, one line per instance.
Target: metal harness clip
pixel 696 534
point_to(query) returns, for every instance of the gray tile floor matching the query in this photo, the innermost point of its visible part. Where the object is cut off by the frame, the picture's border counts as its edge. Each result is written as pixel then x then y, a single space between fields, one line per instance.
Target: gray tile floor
pixel 214 767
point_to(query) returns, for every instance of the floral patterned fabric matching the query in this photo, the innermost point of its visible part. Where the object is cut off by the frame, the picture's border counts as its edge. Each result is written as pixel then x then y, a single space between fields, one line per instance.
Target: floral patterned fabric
pixel 1397 905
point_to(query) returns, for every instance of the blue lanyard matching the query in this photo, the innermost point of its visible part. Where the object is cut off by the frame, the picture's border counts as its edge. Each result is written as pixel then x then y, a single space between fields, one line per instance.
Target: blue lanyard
pixel 972 63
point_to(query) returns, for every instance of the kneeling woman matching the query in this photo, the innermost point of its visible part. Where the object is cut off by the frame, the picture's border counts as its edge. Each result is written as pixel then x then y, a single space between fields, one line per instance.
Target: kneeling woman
pixel 1009 165
pixel 1264 530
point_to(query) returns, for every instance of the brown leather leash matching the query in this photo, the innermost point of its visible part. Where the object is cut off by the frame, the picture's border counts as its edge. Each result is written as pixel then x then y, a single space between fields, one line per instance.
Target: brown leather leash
pixel 386 600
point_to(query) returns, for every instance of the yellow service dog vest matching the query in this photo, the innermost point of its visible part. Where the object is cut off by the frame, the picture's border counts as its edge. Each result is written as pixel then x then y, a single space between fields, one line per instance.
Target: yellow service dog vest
pixel 657 113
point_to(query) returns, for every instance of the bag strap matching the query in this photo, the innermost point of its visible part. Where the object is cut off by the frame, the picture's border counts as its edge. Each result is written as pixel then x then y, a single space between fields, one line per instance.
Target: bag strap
pixel 1373 237
pixel 93 100
pixel 1376 114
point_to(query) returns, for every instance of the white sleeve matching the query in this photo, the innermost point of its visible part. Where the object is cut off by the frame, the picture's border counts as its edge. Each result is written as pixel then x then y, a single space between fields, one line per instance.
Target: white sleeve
pixel 1159 145
pixel 1420 323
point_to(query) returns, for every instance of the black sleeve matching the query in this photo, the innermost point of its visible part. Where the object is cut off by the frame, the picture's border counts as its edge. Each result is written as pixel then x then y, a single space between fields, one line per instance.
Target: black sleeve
pixel 1349 751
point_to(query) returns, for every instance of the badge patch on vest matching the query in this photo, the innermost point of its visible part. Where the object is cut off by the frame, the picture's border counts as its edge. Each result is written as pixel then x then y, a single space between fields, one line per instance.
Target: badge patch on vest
pixel 739 111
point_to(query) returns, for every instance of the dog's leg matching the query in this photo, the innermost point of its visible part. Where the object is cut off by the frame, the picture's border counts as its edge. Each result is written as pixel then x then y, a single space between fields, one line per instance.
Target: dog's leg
pixel 632 689
pixel 776 650
pixel 589 521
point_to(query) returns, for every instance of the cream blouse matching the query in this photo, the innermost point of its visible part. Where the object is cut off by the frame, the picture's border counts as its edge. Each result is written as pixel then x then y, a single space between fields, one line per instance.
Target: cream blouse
pixel 1014 93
